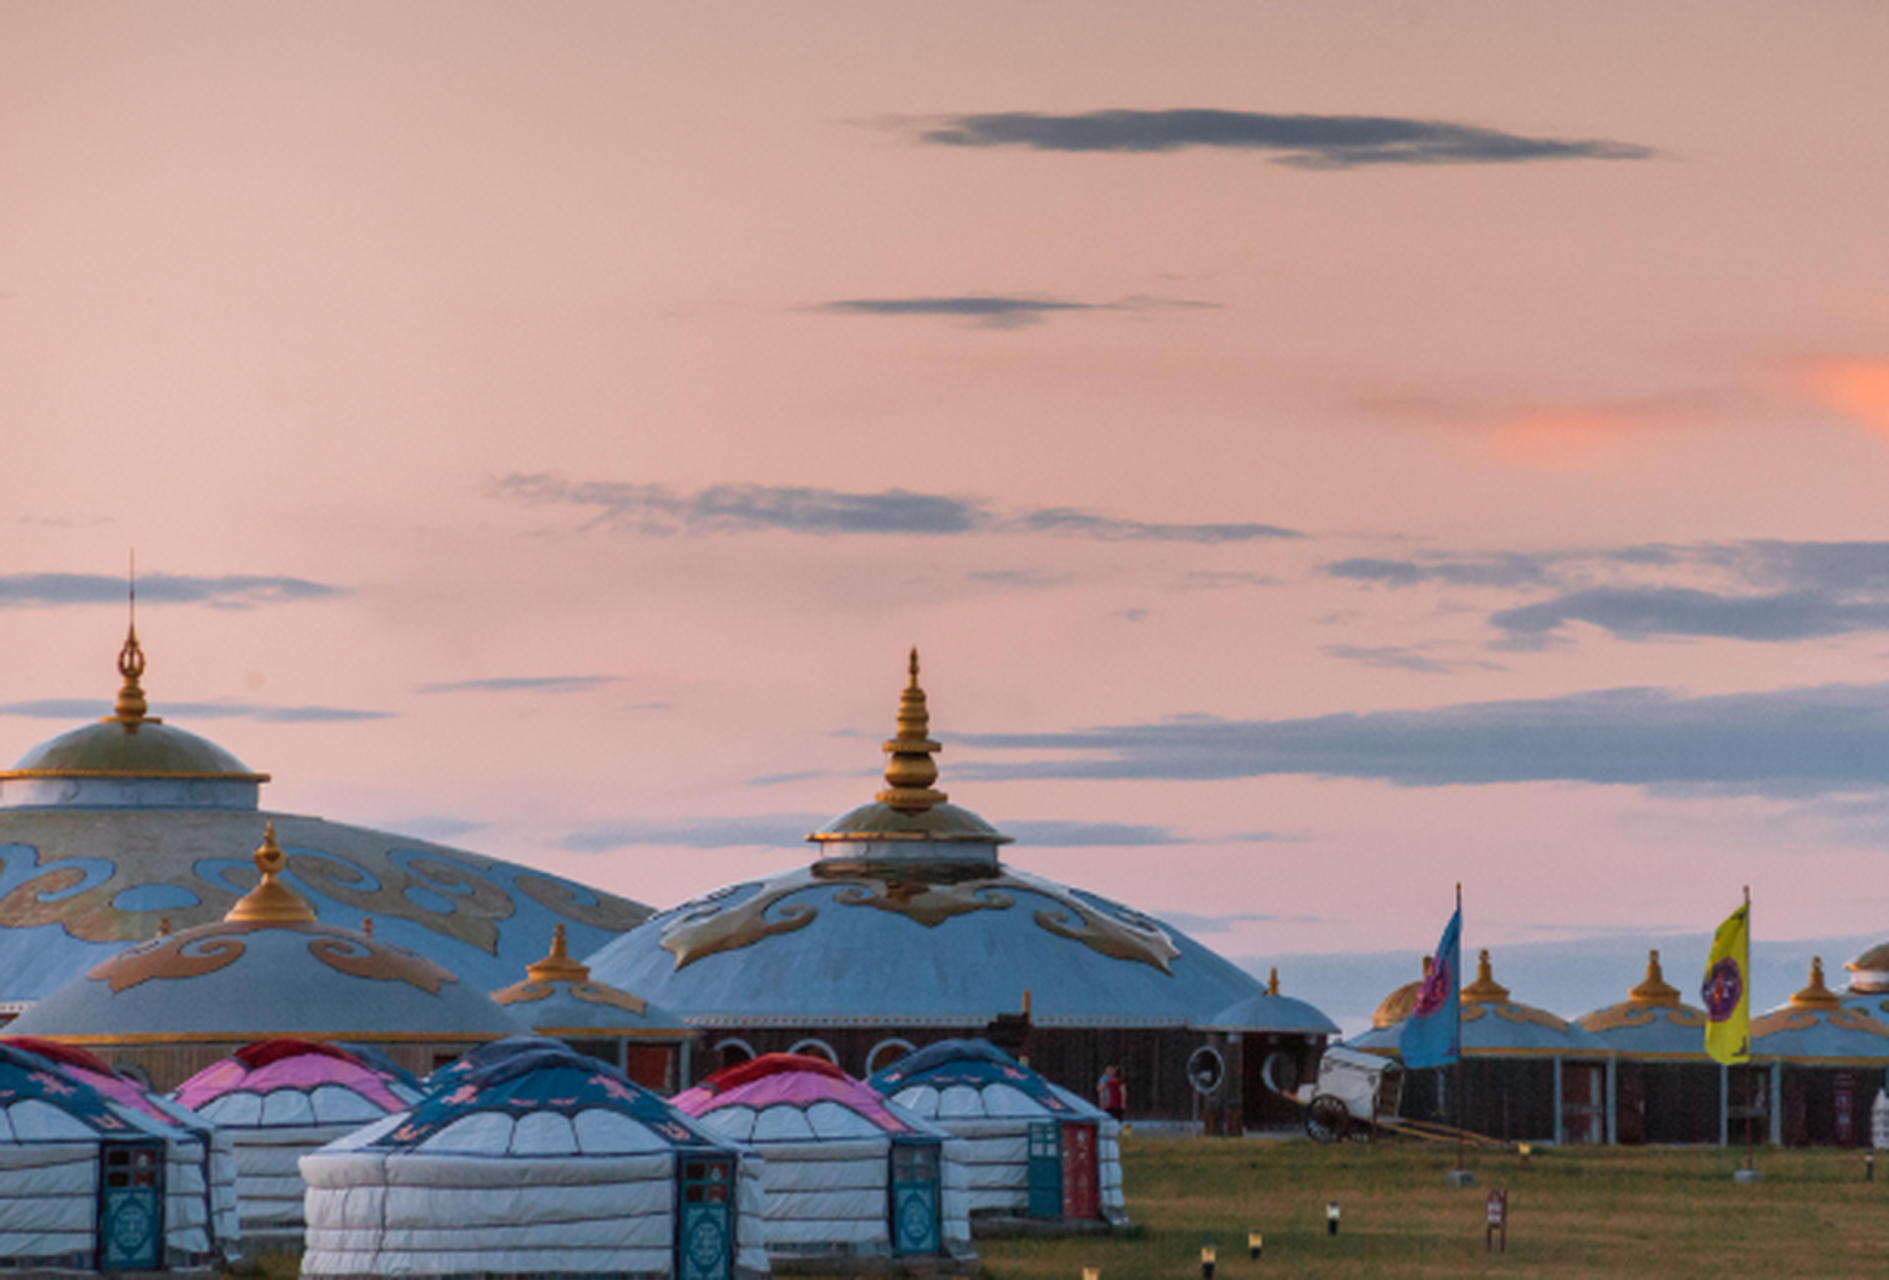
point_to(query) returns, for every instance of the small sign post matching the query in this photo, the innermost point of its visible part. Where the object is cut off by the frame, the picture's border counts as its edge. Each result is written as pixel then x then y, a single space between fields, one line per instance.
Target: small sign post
pixel 1498 1220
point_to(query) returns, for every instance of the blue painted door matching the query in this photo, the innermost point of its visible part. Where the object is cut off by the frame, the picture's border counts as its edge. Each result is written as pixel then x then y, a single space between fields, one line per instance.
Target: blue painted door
pixel 131 1206
pixel 1046 1169
pixel 914 1198
pixel 705 1228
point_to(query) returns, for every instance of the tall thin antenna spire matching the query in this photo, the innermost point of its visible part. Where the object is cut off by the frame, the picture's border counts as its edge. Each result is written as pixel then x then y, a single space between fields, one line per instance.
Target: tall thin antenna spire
pixel 130 709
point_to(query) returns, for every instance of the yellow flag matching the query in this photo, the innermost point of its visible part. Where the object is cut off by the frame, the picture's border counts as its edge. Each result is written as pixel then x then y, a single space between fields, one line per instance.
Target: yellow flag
pixel 1726 992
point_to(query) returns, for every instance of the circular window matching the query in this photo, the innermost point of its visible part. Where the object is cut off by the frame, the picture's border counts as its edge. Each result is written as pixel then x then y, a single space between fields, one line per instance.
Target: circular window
pixel 885 1053
pixel 1206 1069
pixel 1281 1073
pixel 817 1049
pixel 735 1052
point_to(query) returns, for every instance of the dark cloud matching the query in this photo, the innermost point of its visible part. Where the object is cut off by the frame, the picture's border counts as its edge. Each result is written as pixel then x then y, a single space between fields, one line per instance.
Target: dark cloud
pixel 998 311
pixel 1302 141
pixel 1408 658
pixel 1794 741
pixel 236 591
pixel 91 709
pixel 659 511
pixel 1643 613
pixel 1508 572
pixel 522 684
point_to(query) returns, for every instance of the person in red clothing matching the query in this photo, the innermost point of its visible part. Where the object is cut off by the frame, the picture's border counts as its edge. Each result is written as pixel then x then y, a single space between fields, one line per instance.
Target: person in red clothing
pixel 1112 1094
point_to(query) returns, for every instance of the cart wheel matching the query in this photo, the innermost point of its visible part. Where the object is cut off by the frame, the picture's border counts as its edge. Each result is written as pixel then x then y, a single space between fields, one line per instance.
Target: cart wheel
pixel 1328 1118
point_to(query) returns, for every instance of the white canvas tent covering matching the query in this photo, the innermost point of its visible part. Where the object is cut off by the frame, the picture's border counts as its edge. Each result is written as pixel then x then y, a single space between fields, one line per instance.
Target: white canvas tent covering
pixel 55 1132
pixel 835 1184
pixel 980 1093
pixel 544 1162
pixel 278 1100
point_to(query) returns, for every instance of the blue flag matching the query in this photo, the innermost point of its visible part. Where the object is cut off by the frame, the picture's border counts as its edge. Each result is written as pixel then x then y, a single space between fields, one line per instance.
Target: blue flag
pixel 1433 1033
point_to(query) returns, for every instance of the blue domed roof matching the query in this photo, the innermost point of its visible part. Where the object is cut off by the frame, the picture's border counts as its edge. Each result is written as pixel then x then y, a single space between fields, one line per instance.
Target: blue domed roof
pixel 1651 1022
pixel 1493 1025
pixel 945 945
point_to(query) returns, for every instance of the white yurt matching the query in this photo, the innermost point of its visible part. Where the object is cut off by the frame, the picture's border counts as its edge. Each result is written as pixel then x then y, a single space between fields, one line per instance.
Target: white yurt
pixel 849 1174
pixel 1032 1149
pixel 543 1163
pixel 102 1179
pixel 277 1101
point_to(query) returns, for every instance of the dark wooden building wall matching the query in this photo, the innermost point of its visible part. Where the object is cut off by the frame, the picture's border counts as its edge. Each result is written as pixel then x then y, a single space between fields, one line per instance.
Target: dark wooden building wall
pixel 1666 1103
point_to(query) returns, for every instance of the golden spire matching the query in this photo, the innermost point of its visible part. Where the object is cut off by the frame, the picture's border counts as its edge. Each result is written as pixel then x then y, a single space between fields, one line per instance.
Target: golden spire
pixel 271 901
pixel 1816 995
pixel 911 770
pixel 558 966
pixel 1272 983
pixel 1655 990
pixel 1485 989
pixel 130 708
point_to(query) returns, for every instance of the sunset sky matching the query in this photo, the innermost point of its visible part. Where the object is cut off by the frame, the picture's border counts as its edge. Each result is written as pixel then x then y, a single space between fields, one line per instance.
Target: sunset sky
pixel 1324 452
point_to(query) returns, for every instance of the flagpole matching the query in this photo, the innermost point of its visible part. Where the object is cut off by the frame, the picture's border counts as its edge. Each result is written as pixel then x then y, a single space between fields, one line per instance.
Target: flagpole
pixel 1459 1040
pixel 1748 1076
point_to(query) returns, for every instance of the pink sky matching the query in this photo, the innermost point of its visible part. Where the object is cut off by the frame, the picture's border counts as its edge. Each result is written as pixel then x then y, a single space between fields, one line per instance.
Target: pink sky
pixel 408 301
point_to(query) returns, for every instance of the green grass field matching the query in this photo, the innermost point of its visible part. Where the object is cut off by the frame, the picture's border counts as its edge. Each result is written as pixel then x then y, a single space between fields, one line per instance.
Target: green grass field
pixel 1572 1212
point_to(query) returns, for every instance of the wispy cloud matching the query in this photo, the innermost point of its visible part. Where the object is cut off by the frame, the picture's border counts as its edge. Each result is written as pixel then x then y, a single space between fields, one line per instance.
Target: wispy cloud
pixel 1224 580
pixel 656 510
pixel 425 827
pixel 1000 311
pixel 768 829
pixel 521 684
pixel 1408 657
pixel 1050 833
pixel 1763 590
pixel 1187 922
pixel 91 709
pixel 235 591
pixel 1786 742
pixel 1301 141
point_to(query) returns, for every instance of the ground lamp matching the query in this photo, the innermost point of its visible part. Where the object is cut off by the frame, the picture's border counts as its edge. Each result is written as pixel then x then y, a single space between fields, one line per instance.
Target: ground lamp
pixel 1208 1255
pixel 1255 1245
pixel 1092 1273
pixel 1331 1217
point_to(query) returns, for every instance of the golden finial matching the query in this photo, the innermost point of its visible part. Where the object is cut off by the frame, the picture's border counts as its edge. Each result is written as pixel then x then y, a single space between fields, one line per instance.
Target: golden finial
pixel 911 770
pixel 1816 995
pixel 558 966
pixel 163 926
pixel 271 901
pixel 1485 989
pixel 1272 983
pixel 1655 990
pixel 130 709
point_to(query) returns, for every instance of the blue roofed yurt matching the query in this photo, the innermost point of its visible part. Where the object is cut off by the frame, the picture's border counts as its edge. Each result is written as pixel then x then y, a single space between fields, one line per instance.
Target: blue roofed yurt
pixel 542 1163
pixel 1032 1149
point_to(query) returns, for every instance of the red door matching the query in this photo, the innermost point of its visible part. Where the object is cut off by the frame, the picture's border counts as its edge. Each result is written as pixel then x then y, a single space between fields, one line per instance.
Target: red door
pixel 1082 1196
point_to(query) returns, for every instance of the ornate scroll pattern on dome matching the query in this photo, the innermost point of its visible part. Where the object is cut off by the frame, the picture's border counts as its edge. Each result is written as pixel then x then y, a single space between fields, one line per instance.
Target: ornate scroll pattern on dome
pixel 929 904
pixel 1642 1015
pixel 66 883
pixel 1510 1012
pixel 705 927
pixel 588 992
pixel 1845 1019
pixel 171 957
pixel 206 949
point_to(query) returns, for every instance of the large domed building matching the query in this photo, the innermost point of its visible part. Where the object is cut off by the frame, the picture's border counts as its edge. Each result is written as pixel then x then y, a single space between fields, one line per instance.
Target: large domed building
pixel 911 928
pixel 112 829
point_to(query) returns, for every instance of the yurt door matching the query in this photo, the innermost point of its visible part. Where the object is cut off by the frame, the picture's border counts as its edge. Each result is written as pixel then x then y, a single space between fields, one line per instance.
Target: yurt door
pixel 130 1206
pixel 1081 1195
pixel 705 1229
pixel 914 1198
pixel 1046 1169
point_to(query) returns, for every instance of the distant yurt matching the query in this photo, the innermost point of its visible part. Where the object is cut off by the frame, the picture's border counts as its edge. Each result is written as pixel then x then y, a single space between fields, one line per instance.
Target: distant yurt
pixel 1826 1063
pixel 849 1174
pixel 544 1163
pixel 168 1007
pixel 559 998
pixel 1526 1074
pixel 1666 1090
pixel 92 1183
pixel 277 1101
pixel 1032 1149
